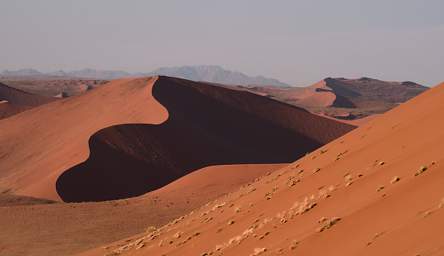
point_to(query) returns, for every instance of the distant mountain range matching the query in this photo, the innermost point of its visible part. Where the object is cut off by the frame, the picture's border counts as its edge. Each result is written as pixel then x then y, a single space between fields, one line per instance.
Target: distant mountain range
pixel 207 73
pixel 216 74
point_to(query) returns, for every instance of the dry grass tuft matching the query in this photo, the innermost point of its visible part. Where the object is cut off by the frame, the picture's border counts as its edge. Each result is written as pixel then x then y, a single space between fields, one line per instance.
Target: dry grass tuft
pixel 421 170
pixel 395 179
pixel 264 235
pixel 150 229
pixel 328 224
pixel 258 251
pixel 177 235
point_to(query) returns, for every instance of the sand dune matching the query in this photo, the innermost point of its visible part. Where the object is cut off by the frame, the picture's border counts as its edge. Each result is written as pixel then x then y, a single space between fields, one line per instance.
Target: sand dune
pixel 38 145
pixel 351 93
pixel 206 125
pixel 375 191
pixel 13 101
pixel 170 127
pixel 57 229
pixel 346 99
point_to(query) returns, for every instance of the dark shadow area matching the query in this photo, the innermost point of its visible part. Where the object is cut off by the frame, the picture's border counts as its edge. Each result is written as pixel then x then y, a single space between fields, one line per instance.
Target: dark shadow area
pixel 343 102
pixel 207 125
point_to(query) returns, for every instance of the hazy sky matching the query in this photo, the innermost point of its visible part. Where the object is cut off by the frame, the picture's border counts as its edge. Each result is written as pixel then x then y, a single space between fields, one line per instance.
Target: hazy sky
pixel 296 41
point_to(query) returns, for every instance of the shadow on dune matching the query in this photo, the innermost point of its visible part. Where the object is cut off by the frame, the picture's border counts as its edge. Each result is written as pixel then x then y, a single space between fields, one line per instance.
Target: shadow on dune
pixel 207 125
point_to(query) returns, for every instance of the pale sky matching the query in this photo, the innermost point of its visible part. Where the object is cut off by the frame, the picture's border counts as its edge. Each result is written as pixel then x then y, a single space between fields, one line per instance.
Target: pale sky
pixel 296 41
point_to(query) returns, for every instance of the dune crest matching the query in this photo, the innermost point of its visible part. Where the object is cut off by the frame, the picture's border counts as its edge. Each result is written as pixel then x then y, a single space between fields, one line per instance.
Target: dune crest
pixel 188 138
pixel 207 125
pixel 31 165
pixel 346 99
pixel 38 145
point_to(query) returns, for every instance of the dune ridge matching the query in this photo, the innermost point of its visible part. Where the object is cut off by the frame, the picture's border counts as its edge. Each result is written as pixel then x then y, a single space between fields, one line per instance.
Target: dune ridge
pixel 39 144
pixel 220 125
pixel 116 106
pixel 31 165
pixel 346 99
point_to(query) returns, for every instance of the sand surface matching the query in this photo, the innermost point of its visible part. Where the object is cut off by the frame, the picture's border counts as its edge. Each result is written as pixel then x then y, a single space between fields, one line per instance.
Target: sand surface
pixel 106 139
pixel 64 229
pixel 212 140
pixel 375 191
pixel 38 145
pixel 14 101
pixel 345 99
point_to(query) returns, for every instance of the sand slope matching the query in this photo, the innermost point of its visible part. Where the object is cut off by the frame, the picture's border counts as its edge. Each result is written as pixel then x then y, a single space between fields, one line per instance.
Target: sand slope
pixel 195 126
pixel 38 145
pixel 67 228
pixel 13 101
pixel 207 125
pixel 375 191
pixel 348 93
pixel 135 146
pixel 346 98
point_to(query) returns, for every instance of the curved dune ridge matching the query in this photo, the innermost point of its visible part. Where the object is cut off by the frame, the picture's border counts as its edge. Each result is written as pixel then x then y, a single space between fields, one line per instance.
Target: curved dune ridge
pixel 318 94
pixel 31 164
pixel 375 191
pixel 364 93
pixel 36 146
pixel 207 125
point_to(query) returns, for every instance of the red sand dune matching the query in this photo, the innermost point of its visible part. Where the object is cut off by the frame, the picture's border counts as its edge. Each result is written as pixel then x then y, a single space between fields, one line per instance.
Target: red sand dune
pixel 36 146
pixel 13 101
pixel 316 95
pixel 205 125
pixel 375 191
pixel 35 228
pixel 350 93
pixel 195 111
pixel 346 99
